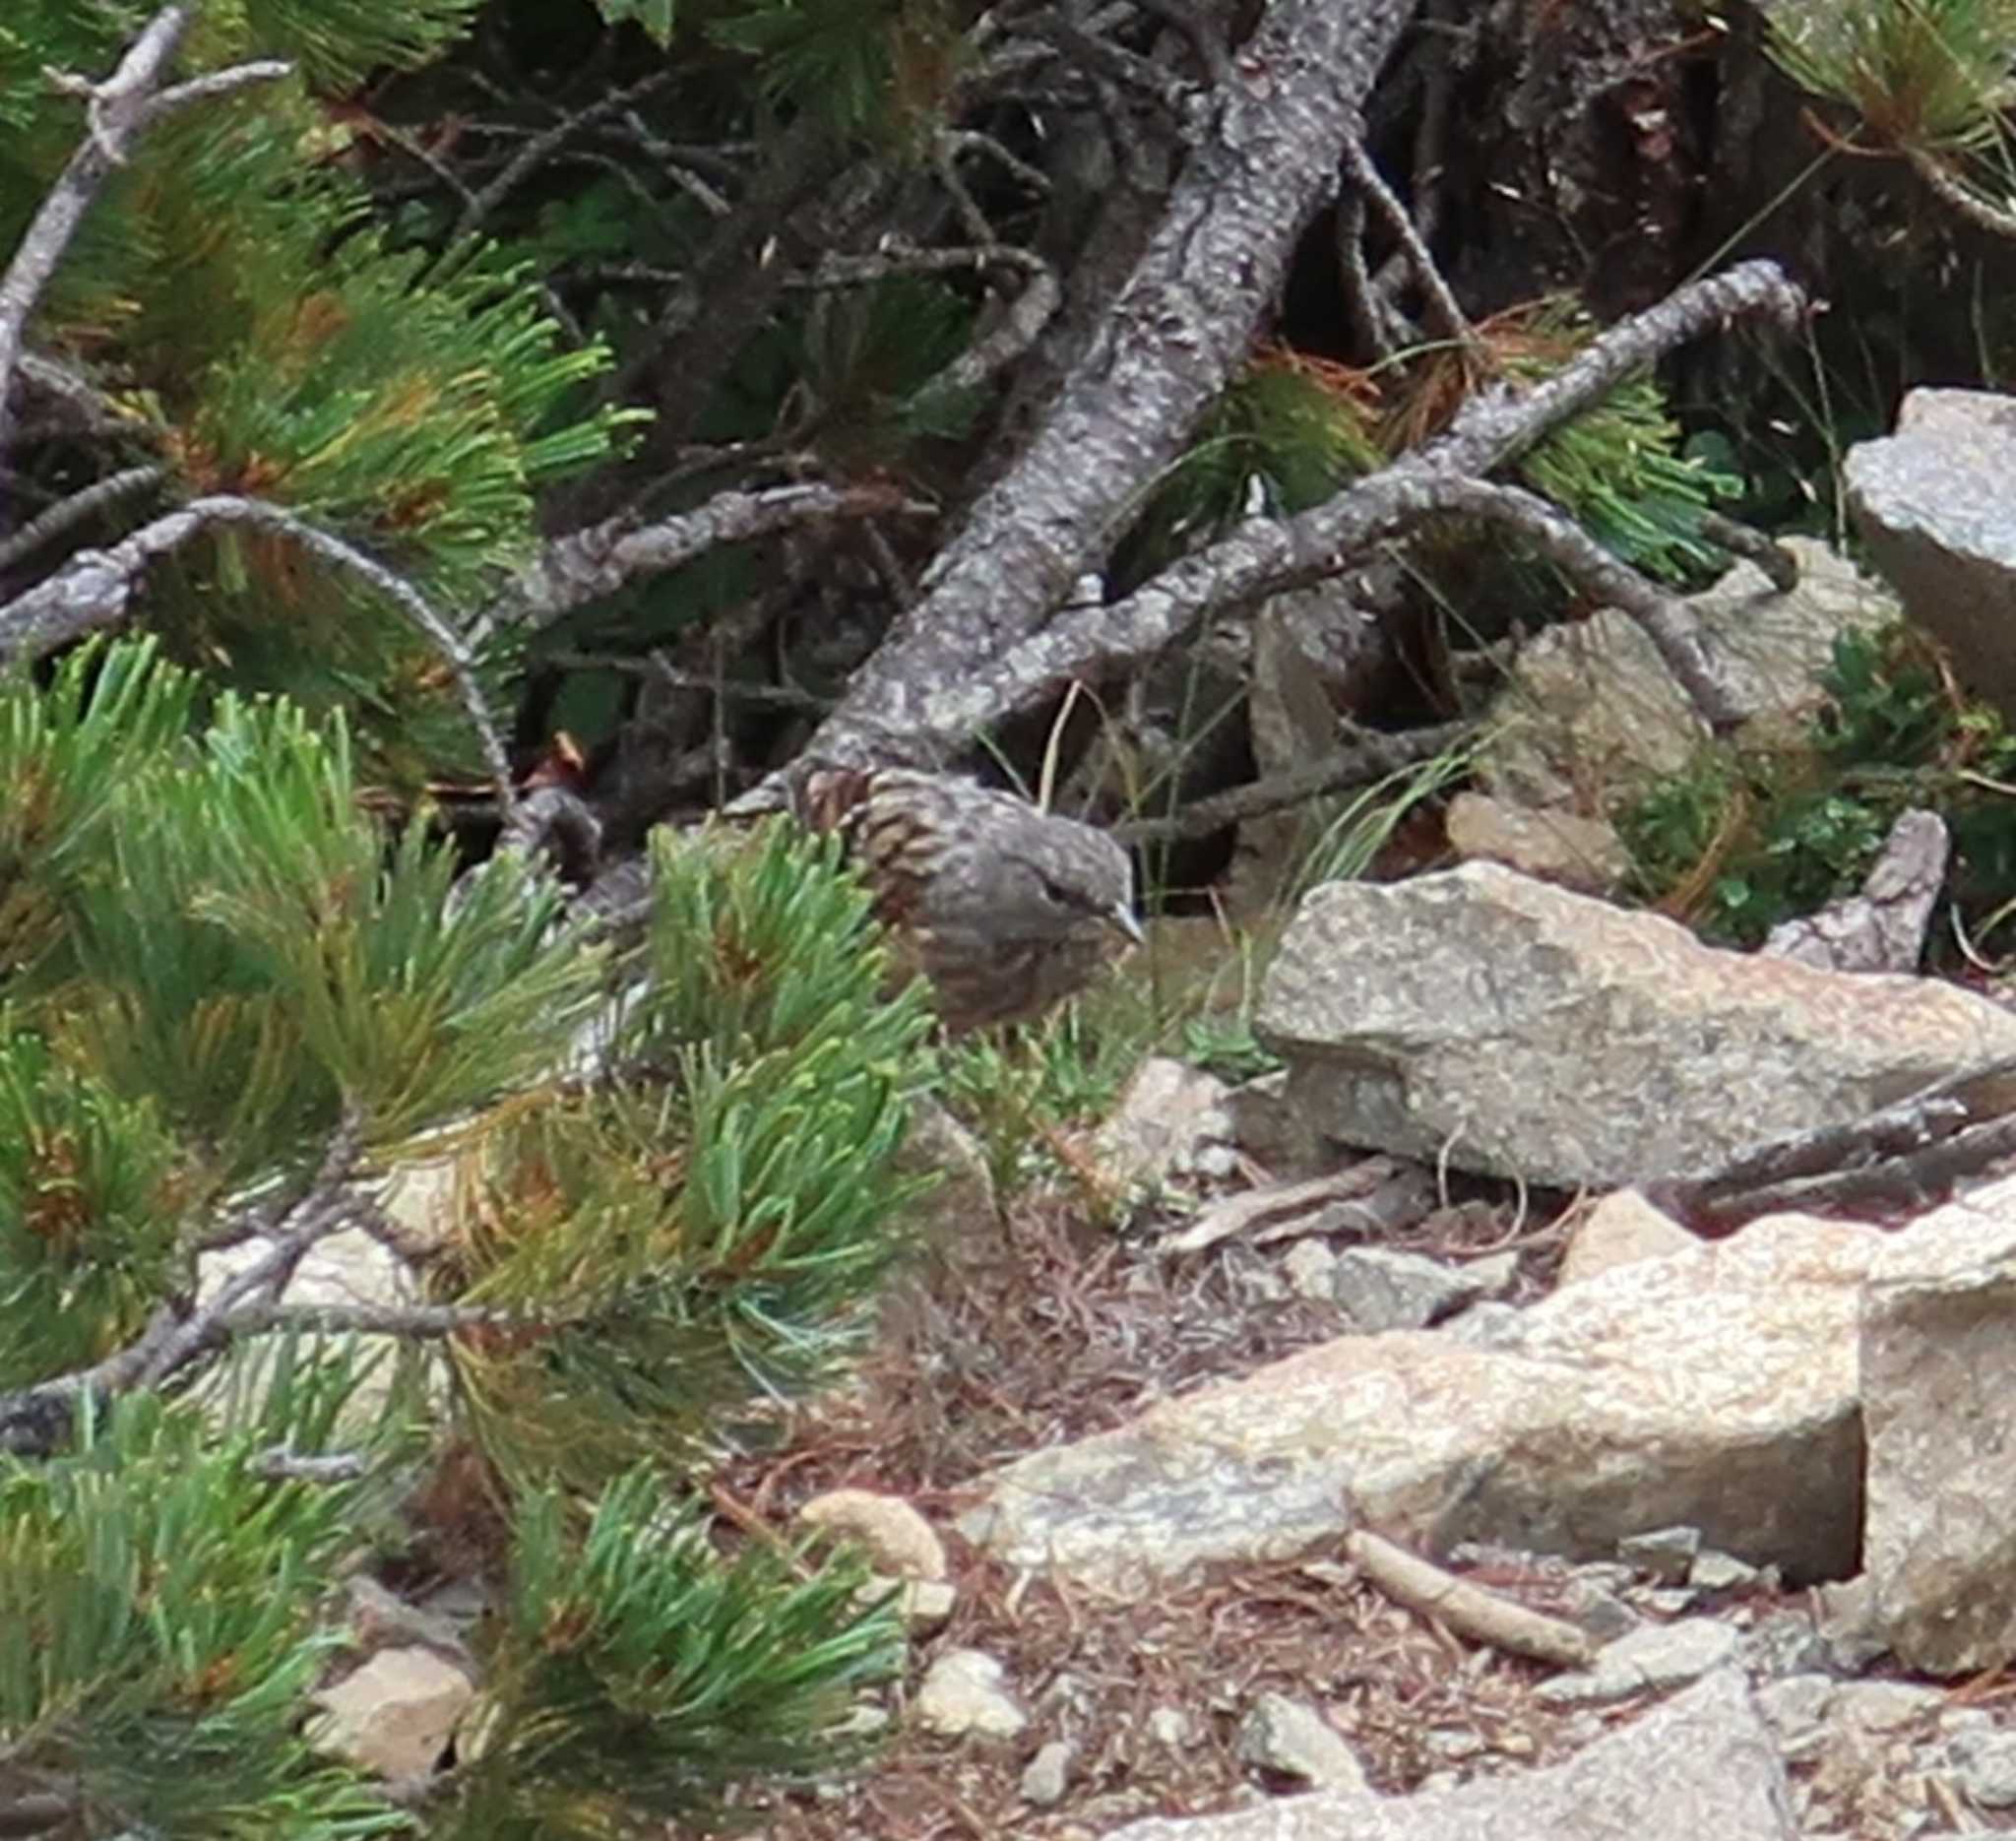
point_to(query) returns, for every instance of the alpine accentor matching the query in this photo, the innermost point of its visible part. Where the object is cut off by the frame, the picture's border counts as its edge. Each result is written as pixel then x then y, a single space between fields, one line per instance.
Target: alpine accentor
pixel 1005 909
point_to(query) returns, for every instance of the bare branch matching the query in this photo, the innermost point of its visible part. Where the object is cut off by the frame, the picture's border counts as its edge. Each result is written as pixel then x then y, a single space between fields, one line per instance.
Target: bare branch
pixel 423 1323
pixel 1368 757
pixel 94 588
pixel 1465 1607
pixel 1366 309
pixel 574 570
pixel 93 411
pixel 1960 198
pixel 655 667
pixel 1903 1156
pixel 942 709
pixel 316 1214
pixel 541 148
pixel 1019 329
pixel 284 1466
pixel 76 509
pixel 36 1419
pixel 1781 567
pixel 1447 314
pixel 120 108
pixel 1667 621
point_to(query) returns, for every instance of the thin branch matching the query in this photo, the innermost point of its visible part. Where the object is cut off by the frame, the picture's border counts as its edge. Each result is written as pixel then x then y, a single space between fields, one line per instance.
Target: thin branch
pixel 1019 329
pixel 26 1813
pixel 118 110
pixel 1367 758
pixel 1669 622
pixel 94 588
pixel 655 667
pixel 281 1465
pixel 1781 567
pixel 1362 307
pixel 589 564
pixel 1443 307
pixel 1903 1156
pixel 675 168
pixel 94 411
pixel 34 1421
pixel 1465 1607
pixel 317 1213
pixel 529 158
pixel 68 513
pixel 956 141
pixel 423 1323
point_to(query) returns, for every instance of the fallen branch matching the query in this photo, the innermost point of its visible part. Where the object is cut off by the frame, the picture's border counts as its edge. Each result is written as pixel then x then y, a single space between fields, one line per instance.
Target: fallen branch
pixel 1443 308
pixel 1669 622
pixel 67 513
pixel 1178 331
pixel 1468 1609
pixel 1366 758
pixel 1899 1160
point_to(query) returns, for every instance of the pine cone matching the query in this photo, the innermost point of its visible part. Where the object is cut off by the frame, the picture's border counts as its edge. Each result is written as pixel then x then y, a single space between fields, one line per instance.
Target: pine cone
pixel 1005 909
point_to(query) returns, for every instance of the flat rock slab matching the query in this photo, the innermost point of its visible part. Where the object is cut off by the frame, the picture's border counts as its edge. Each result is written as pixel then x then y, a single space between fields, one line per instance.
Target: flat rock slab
pixel 1716 1387
pixel 1704 1766
pixel 1511 1027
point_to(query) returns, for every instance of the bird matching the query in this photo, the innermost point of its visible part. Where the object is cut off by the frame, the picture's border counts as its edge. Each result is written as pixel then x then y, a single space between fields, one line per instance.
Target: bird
pixel 1005 909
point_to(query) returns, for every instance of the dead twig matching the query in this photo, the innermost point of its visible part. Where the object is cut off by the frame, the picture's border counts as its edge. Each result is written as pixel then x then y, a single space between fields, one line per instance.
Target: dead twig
pixel 1368 757
pixel 1465 1609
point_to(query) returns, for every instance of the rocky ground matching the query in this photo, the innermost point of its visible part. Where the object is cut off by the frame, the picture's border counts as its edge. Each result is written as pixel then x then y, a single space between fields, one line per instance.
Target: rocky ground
pixel 1571 1396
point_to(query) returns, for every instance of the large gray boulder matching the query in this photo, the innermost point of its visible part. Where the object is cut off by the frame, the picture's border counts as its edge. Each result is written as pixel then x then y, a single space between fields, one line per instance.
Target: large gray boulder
pixel 1933 501
pixel 1939 1376
pixel 1505 1025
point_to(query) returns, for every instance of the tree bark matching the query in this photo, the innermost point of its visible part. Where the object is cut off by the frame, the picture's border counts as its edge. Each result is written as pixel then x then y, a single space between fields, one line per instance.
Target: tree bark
pixel 1265 161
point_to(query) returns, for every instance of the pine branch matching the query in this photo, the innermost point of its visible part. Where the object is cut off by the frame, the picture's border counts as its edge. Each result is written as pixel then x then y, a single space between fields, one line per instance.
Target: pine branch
pixel 34 1421
pixel 94 588
pixel 118 110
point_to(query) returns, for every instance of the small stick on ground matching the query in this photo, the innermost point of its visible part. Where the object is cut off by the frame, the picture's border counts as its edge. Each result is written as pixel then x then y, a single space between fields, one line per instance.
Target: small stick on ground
pixel 1466 1608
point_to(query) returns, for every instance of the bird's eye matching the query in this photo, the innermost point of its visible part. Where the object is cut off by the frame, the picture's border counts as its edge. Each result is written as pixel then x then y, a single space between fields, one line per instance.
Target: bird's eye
pixel 1059 896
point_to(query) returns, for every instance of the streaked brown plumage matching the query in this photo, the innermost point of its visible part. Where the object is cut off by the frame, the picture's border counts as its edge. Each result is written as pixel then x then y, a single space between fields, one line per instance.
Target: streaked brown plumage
pixel 1007 910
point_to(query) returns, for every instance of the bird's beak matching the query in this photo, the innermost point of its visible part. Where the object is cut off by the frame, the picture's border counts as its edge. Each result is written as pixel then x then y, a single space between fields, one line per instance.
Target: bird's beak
pixel 1122 916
